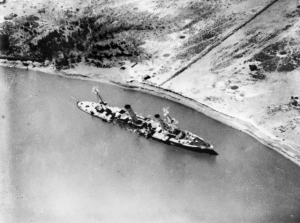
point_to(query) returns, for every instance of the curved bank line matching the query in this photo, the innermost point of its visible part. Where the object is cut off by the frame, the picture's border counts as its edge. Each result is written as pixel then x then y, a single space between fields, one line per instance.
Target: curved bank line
pixel 283 148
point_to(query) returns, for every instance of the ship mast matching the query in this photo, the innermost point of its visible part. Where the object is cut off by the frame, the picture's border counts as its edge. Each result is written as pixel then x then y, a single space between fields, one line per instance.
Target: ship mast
pixel 171 121
pixel 96 92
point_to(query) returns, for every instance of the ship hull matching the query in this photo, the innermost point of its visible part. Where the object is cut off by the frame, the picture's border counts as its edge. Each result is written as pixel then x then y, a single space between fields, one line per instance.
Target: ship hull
pixel 109 114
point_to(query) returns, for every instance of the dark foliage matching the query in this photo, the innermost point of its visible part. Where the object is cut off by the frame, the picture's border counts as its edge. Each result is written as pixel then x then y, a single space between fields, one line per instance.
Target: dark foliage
pixel 4 42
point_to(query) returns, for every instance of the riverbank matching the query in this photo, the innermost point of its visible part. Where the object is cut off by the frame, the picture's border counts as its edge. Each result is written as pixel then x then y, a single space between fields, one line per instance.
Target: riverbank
pixel 266 139
pixel 78 169
pixel 238 59
pixel 284 148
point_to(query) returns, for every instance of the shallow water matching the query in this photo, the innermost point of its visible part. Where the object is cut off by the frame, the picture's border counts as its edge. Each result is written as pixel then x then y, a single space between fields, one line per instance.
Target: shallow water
pixel 59 164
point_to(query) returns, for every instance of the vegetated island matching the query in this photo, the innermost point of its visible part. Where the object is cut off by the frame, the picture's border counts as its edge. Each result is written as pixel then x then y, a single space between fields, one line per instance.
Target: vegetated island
pixel 235 61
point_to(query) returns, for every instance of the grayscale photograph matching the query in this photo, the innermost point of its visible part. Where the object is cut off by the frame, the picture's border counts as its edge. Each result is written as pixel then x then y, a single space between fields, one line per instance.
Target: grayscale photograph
pixel 150 111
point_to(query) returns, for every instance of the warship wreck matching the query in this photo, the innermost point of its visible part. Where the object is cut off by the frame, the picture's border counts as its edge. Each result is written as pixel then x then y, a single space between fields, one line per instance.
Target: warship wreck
pixel 161 129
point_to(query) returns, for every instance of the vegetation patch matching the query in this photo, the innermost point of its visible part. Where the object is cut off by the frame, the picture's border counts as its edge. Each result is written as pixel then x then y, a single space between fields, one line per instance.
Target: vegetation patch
pixel 105 38
pixel 281 56
pixel 259 75
pixel 213 99
pixel 100 41
pixel 274 109
pixel 4 42
pixel 293 14
pixel 107 33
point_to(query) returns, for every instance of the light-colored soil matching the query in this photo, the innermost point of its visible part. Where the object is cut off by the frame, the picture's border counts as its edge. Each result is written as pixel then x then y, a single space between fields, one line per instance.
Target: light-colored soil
pixel 225 82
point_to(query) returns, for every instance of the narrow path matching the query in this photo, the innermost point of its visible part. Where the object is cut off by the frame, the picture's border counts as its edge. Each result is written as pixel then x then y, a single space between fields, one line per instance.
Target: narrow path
pixel 219 42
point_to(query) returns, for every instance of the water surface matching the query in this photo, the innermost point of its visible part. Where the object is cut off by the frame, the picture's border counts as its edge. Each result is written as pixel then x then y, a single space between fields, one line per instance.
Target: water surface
pixel 61 165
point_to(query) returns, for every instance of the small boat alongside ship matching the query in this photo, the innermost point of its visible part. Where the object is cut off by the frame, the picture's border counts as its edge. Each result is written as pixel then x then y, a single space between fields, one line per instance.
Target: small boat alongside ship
pixel 163 130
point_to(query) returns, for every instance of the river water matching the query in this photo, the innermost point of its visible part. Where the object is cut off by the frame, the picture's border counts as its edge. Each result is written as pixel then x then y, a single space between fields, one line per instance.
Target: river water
pixel 59 164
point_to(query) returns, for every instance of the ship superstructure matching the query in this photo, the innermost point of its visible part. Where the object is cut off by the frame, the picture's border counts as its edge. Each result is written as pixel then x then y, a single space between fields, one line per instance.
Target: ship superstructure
pixel 164 130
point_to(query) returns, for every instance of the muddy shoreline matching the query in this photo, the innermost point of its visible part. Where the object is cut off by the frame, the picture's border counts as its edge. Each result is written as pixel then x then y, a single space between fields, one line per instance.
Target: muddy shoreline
pixel 283 148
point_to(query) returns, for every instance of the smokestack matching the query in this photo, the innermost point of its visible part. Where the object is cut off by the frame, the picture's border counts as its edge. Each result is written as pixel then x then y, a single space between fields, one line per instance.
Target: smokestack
pixel 131 113
pixel 161 122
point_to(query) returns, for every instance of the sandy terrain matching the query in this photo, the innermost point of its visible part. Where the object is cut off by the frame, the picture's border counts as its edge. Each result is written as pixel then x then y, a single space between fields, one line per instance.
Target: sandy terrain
pixel 202 50
pixel 223 79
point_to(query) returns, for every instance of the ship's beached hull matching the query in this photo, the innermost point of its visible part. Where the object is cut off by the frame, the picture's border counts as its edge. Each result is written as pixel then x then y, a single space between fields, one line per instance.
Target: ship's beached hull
pixel 92 109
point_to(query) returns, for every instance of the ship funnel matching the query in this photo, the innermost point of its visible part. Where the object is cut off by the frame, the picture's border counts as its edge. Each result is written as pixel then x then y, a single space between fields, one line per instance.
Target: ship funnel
pixel 161 122
pixel 131 113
